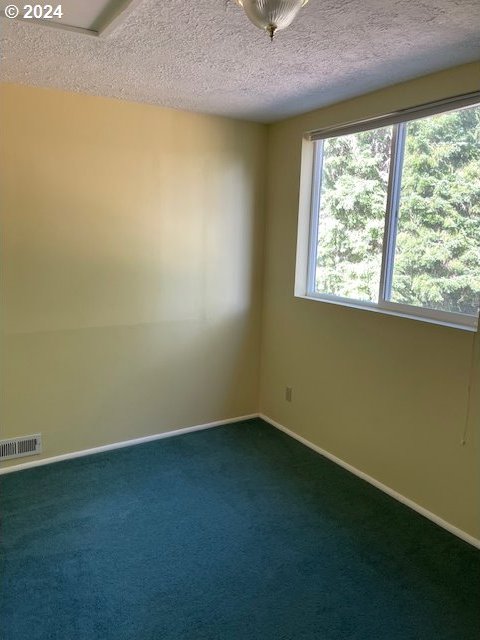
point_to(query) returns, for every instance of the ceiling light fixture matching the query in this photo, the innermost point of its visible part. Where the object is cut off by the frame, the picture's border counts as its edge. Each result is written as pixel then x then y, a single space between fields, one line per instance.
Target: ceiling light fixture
pixel 271 15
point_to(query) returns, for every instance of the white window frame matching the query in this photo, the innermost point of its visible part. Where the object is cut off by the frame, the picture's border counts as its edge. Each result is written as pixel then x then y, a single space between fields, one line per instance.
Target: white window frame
pixel 310 190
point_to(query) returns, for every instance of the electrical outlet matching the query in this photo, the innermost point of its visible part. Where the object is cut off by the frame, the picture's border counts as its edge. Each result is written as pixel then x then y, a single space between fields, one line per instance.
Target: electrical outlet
pixel 288 394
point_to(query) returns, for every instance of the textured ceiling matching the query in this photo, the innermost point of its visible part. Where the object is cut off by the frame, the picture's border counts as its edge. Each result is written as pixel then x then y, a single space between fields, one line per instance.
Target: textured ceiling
pixel 206 56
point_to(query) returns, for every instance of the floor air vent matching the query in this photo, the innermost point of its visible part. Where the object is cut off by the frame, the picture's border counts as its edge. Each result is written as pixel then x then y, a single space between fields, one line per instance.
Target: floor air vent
pixel 20 447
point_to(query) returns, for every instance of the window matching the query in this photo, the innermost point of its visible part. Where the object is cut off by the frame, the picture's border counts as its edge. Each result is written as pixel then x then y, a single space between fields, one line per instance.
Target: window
pixel 394 214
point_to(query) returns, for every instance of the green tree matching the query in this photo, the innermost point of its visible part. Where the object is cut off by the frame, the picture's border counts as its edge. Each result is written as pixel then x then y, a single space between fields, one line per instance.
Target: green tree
pixel 438 244
pixel 437 258
pixel 353 201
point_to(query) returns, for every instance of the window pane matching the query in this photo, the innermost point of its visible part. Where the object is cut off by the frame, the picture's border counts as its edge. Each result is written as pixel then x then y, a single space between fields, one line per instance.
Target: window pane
pixel 352 214
pixel 437 259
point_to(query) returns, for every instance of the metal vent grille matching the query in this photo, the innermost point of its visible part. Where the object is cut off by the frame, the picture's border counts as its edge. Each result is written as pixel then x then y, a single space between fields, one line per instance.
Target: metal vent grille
pixel 20 447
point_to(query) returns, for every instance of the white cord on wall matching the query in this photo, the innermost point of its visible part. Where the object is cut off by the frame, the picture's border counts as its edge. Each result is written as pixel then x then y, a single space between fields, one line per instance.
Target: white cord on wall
pixel 471 380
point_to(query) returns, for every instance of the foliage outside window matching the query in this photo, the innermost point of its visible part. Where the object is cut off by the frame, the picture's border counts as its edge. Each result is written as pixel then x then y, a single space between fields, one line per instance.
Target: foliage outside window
pixel 396 217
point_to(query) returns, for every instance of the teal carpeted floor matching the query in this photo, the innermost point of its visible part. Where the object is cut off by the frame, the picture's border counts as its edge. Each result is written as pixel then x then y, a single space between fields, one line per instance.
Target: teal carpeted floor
pixel 234 533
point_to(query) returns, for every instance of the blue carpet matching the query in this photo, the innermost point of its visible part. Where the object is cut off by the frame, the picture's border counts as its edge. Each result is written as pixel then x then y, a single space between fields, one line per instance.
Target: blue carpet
pixel 234 533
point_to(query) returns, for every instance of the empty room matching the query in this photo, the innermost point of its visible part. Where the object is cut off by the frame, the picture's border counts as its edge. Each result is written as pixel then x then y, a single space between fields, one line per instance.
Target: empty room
pixel 240 287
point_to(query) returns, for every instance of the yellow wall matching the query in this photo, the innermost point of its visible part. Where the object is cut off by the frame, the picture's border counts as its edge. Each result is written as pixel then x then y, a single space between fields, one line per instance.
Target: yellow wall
pixel 132 275
pixel 385 394
pixel 132 252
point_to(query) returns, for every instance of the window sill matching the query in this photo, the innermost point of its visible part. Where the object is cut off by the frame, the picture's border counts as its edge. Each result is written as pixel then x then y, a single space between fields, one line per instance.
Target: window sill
pixel 365 306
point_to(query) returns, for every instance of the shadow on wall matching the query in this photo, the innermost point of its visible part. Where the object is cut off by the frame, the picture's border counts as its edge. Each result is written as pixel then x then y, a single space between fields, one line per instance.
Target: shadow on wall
pixel 133 271
pixel 88 387
pixel 74 263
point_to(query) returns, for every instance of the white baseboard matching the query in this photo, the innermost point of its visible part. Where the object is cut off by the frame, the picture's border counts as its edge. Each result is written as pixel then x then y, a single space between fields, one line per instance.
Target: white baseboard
pixel 169 434
pixel 379 485
pixel 120 445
